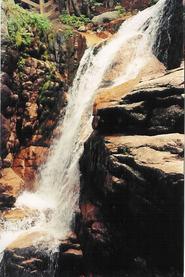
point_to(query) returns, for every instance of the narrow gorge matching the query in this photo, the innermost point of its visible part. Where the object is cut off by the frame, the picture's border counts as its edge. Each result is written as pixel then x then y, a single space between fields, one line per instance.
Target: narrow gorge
pixel 92 146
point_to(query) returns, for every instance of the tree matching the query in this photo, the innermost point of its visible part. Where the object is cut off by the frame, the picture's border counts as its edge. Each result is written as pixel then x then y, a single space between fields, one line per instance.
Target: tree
pixel 70 6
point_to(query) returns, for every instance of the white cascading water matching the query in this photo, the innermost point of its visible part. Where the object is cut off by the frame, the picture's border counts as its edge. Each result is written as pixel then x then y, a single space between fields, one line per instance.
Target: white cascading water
pixel 57 196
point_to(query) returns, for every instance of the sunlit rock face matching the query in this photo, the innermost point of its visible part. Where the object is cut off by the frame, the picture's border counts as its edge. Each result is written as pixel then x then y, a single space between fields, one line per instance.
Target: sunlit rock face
pixel 11 186
pixel 154 107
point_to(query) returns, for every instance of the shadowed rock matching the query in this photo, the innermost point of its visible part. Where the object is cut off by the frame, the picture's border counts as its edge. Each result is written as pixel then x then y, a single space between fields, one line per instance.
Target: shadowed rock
pixel 168 47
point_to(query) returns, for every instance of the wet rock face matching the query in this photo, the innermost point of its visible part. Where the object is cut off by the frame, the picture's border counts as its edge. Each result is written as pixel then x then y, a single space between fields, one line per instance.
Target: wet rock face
pixel 27 162
pixel 67 52
pixel 28 262
pixel 70 260
pixel 168 47
pixel 34 261
pixel 131 197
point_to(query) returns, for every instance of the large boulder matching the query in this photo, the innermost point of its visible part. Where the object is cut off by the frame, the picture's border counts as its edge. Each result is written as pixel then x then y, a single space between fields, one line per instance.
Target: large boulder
pixel 105 17
pixel 132 200
pixel 11 185
pixel 154 107
pixel 40 254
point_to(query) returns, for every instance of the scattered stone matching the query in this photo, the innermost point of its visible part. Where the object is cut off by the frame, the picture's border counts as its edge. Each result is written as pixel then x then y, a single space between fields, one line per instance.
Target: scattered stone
pixel 105 17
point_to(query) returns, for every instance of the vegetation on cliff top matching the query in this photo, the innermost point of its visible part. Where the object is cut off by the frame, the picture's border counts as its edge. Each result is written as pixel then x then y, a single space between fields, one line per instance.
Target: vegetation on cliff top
pixel 23 25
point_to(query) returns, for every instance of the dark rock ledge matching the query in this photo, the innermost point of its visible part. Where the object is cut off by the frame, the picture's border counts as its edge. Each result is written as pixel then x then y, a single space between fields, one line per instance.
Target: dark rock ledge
pixel 24 258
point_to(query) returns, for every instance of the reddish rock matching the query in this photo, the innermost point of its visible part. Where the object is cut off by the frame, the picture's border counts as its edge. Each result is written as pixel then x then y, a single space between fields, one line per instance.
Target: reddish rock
pixel 11 185
pixel 28 161
pixel 89 211
pixel 76 45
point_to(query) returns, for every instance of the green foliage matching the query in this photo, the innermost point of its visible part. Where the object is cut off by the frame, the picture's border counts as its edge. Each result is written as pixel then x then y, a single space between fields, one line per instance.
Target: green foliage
pixel 153 2
pixel 47 84
pixel 73 20
pixel 22 25
pixel 68 32
pixel 95 3
pixel 21 63
pixel 120 9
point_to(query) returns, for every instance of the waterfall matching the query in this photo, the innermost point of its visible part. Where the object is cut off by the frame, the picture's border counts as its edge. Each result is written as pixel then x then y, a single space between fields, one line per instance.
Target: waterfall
pixel 56 199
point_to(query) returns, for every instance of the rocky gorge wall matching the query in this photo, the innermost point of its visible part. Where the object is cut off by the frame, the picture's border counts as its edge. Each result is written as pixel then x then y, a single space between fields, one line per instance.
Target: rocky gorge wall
pixel 34 86
pixel 132 180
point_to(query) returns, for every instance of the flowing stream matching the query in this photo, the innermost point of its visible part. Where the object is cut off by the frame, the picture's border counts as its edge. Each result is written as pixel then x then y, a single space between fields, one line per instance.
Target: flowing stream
pixel 56 199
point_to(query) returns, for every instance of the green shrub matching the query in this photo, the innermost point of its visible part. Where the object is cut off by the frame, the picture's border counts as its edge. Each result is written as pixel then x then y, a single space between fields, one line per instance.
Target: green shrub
pixel 21 63
pixel 120 9
pixel 73 20
pixel 68 32
pixel 22 25
pixel 95 3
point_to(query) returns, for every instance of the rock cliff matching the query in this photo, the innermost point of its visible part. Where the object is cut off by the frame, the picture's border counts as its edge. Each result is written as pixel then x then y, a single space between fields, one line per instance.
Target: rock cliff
pixel 132 179
pixel 34 86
